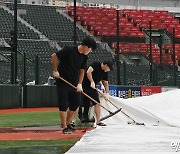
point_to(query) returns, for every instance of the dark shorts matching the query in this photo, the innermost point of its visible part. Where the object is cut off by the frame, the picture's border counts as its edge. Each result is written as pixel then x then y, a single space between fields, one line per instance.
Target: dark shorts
pixel 92 93
pixel 67 97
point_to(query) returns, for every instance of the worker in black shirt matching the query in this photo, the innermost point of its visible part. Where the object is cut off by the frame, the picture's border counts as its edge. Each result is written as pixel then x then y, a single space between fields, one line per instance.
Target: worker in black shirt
pixel 71 67
pixel 97 73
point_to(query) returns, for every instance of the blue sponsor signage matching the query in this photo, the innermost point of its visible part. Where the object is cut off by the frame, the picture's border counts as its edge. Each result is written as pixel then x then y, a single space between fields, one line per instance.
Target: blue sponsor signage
pixel 124 91
pixel 113 90
pixel 129 92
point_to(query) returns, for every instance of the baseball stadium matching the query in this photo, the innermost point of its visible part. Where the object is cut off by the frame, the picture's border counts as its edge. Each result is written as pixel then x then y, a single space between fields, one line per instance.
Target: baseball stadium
pixel 136 46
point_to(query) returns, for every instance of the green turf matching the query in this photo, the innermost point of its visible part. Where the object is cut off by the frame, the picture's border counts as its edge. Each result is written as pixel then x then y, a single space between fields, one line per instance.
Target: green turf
pixel 29 119
pixel 36 143
pixel 39 118
pixel 36 147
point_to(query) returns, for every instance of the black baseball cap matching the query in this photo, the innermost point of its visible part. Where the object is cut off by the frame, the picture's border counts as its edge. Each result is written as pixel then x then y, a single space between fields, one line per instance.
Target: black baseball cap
pixel 110 64
pixel 90 42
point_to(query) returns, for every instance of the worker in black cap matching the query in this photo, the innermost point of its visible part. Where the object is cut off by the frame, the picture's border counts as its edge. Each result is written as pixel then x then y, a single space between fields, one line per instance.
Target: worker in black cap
pixel 97 73
pixel 70 64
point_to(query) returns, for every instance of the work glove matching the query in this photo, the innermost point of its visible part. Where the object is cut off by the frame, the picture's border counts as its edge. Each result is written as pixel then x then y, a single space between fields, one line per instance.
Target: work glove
pixel 93 85
pixel 79 87
pixel 56 74
pixel 106 95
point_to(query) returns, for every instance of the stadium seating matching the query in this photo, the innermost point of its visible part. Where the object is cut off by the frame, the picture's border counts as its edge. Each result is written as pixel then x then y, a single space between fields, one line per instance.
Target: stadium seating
pixel 144 48
pixel 6 27
pixel 160 19
pixel 103 21
pixel 56 27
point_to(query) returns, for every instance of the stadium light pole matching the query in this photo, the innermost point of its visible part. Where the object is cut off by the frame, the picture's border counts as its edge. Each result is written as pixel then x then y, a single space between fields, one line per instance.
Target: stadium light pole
pixel 14 47
pixel 75 33
pixel 150 47
pixel 174 58
pixel 160 49
pixel 12 59
pixel 24 69
pixel 15 37
pixel 117 49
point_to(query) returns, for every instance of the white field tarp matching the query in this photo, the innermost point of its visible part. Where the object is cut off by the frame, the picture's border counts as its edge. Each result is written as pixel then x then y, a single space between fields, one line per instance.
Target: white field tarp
pixel 159 112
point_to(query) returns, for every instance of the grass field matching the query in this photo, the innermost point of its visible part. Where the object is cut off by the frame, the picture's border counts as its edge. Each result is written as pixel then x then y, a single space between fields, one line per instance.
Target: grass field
pixel 29 119
pixel 40 118
pixel 35 147
pixel 32 143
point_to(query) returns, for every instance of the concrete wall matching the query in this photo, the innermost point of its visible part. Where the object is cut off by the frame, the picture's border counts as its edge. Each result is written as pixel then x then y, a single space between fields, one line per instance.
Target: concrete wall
pixel 9 96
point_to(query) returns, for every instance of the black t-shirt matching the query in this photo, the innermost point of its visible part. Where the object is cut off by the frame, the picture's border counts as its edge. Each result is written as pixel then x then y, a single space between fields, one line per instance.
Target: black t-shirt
pixel 98 74
pixel 70 63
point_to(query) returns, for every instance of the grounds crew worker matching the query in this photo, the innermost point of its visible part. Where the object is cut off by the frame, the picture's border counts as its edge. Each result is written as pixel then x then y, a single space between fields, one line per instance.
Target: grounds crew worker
pixel 71 67
pixel 97 73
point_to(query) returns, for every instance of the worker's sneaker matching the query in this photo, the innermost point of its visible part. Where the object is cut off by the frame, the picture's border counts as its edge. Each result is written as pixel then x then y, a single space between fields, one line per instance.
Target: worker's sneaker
pixel 73 124
pixel 67 130
pixel 101 124
pixel 71 127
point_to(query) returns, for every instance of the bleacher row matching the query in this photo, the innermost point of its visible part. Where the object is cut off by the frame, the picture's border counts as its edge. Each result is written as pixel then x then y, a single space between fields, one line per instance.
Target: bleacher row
pixel 160 20
pixel 57 27
pixel 6 20
pixel 131 22
pixel 103 21
pixel 144 48
pixel 50 23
